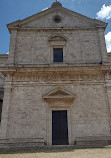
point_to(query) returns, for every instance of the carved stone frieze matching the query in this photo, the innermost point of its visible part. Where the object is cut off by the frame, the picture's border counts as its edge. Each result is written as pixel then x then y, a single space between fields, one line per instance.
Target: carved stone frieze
pixel 52 77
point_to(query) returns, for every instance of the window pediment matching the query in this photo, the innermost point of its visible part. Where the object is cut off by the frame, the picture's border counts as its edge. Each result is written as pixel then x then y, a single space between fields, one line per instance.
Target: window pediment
pixel 57 38
pixel 57 46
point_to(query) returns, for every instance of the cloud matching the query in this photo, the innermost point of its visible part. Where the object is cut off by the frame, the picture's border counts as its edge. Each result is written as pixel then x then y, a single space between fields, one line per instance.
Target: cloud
pixel 7 52
pixel 44 9
pixel 108 41
pixel 104 13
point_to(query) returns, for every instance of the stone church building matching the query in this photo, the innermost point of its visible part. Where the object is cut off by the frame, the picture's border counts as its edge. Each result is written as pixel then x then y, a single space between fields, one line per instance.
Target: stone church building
pixel 55 84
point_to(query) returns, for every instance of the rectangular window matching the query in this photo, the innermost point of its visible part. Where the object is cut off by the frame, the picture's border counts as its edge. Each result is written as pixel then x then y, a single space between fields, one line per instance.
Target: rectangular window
pixel 57 55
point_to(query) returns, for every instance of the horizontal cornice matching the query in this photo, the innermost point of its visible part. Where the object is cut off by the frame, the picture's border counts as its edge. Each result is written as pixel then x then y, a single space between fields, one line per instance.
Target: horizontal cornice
pixel 52 29
pixel 80 69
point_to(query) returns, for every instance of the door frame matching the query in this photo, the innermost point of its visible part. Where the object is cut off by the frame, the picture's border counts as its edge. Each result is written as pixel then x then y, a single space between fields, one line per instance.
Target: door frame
pixel 49 125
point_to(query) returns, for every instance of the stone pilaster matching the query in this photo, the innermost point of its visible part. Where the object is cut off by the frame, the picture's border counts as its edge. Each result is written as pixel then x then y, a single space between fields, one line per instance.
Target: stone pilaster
pixel 102 45
pixel 12 49
pixel 108 95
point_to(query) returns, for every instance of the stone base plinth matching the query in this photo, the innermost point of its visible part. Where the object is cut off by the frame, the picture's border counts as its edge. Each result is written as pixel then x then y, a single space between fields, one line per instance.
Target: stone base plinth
pixel 100 141
pixel 20 143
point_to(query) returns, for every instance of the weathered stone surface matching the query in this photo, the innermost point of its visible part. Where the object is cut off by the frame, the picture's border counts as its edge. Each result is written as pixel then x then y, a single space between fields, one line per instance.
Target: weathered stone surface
pixel 35 85
pixel 81 47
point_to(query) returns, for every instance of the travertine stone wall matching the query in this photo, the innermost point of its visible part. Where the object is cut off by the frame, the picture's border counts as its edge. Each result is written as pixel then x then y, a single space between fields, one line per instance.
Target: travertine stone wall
pixel 31 74
pixel 90 116
pixel 12 48
pixel 109 56
pixel 3 59
pixel 81 47
pixel 27 110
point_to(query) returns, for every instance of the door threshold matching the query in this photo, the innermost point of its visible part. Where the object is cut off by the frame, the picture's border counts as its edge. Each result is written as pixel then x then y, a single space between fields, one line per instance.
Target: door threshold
pixel 61 146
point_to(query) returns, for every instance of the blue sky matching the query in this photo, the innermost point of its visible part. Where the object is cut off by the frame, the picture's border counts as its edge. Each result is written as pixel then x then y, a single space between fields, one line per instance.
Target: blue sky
pixel 12 10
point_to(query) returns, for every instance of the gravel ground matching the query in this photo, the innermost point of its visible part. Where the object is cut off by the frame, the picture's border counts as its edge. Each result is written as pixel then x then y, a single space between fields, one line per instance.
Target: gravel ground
pixel 58 153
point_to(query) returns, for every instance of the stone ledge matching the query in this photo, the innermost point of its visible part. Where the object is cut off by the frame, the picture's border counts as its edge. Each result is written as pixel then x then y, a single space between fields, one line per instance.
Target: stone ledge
pixel 99 141
pixel 21 143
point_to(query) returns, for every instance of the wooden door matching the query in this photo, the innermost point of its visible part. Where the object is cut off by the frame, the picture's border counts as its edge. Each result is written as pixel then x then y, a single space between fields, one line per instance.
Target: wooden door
pixel 59 127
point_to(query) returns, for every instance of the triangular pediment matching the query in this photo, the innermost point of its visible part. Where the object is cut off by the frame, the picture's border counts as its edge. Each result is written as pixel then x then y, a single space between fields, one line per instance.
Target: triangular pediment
pixel 57 38
pixel 45 19
pixel 58 93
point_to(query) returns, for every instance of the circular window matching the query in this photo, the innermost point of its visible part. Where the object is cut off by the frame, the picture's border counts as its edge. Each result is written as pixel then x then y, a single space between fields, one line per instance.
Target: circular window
pixel 57 19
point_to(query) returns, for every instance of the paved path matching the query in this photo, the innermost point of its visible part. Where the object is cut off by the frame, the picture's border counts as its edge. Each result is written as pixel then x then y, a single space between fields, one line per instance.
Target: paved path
pixel 61 153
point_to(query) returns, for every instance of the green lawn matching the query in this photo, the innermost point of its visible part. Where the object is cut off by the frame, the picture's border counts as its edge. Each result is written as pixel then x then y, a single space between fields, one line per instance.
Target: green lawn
pixel 59 153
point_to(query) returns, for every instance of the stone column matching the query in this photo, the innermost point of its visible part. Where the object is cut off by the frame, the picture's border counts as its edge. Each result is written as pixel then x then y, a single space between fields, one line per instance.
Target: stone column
pixel 12 49
pixel 102 45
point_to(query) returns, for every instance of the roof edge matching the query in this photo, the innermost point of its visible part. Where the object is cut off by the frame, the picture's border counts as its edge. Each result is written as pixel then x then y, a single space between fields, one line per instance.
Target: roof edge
pixel 17 23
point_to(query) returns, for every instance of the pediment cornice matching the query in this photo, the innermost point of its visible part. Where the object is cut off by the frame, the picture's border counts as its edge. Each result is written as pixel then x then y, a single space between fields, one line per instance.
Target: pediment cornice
pixel 59 93
pixel 18 24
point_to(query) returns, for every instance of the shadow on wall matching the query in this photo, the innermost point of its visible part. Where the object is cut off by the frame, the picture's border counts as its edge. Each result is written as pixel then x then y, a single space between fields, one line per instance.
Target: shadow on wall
pixel 1 102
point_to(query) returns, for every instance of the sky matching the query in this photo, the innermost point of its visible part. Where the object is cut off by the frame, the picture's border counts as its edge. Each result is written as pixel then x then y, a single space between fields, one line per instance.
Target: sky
pixel 13 10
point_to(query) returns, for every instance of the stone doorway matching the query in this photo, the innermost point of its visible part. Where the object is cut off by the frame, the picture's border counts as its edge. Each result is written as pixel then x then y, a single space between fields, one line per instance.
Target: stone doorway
pixel 60 100
pixel 59 127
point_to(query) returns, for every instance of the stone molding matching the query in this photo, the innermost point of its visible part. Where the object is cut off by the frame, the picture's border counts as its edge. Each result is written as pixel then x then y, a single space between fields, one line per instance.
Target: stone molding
pixel 19 23
pixel 57 38
pixel 53 29
pixel 20 143
pixel 59 95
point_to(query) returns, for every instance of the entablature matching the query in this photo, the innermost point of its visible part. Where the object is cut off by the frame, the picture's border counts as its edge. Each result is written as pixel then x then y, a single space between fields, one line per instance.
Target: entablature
pixel 81 68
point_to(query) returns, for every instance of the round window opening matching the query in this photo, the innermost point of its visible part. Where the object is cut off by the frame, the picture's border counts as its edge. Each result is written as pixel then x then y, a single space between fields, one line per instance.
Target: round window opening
pixel 57 19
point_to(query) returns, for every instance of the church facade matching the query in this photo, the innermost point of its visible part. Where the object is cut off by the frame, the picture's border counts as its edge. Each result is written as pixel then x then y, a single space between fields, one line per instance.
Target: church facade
pixel 57 89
